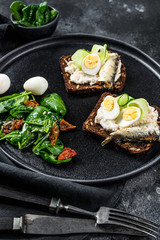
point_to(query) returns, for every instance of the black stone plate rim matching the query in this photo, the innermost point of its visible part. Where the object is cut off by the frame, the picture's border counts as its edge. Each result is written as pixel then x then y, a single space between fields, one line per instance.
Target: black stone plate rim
pixel 138 55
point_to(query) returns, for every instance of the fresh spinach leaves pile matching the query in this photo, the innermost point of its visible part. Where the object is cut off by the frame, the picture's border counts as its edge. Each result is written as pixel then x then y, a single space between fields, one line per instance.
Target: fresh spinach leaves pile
pixel 33 15
pixel 37 124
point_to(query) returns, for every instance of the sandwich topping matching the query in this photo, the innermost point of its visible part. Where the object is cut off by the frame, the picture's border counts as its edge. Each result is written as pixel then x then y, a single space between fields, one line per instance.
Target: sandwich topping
pixel 135 121
pixel 110 71
pixel 95 67
pixel 78 76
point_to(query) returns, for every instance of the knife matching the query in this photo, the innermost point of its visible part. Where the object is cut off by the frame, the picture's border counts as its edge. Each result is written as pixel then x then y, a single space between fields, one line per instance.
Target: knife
pixel 49 225
pixel 41 201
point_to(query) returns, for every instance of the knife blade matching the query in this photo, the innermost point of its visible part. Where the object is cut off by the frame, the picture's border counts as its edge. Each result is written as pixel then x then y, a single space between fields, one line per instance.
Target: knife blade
pixel 49 225
pixel 25 196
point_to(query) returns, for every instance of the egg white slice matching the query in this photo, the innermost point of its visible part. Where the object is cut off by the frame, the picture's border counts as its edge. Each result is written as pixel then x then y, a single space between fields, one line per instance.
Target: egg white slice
pixel 125 123
pixel 91 71
pixel 112 114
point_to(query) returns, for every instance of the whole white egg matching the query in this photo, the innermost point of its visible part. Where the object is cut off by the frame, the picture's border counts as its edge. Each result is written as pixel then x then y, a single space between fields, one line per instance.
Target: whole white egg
pixel 37 85
pixel 128 116
pixel 91 64
pixel 110 108
pixel 5 83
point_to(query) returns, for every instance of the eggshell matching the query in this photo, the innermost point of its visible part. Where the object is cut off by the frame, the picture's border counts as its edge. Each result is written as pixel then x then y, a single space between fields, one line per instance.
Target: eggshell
pixel 37 85
pixel 5 83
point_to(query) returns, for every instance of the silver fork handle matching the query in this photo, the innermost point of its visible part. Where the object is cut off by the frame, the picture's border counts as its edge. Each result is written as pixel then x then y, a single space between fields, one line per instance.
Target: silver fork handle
pixel 72 209
pixel 56 206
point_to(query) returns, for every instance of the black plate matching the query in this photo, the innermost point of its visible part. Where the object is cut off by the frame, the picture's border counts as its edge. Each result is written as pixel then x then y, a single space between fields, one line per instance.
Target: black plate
pixel 93 163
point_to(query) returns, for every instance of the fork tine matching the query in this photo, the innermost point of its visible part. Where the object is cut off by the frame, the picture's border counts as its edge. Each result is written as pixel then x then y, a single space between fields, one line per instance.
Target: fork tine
pixel 133 223
pixel 117 223
pixel 135 220
pixel 142 220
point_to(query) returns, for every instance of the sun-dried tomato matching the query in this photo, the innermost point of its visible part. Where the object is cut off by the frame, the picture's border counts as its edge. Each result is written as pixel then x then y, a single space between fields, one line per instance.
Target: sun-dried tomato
pixel 31 103
pixel 11 126
pixel 65 126
pixel 67 153
pixel 54 134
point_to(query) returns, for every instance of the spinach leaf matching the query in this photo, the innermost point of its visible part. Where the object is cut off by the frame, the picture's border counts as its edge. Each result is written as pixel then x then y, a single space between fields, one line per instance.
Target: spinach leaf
pixel 54 103
pixel 9 97
pixel 28 136
pixel 50 152
pixel 43 113
pixel 14 137
pixel 40 137
pixel 30 130
pixel 40 125
pixel 14 101
pixel 15 95
pixel 21 111
pixel 53 159
pixel 53 116
pixel 2 134
pixel 46 145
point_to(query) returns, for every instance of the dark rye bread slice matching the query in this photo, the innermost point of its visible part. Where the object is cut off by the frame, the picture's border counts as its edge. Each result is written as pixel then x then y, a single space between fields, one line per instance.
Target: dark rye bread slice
pixel 84 88
pixel 90 127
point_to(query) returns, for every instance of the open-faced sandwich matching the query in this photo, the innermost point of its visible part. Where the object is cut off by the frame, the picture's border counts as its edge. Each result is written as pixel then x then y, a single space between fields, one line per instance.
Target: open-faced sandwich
pixel 98 70
pixel 130 123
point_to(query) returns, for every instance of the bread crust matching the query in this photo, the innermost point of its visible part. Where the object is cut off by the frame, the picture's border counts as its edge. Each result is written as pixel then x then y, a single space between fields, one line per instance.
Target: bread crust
pixel 85 88
pixel 90 127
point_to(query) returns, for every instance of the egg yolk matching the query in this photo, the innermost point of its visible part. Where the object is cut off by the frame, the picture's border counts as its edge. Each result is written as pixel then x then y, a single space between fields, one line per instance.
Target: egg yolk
pixel 109 104
pixel 130 114
pixel 91 61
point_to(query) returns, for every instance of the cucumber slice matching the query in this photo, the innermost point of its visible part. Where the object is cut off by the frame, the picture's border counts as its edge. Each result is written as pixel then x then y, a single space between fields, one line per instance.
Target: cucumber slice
pixel 131 99
pixel 100 50
pixel 78 57
pixel 123 99
pixel 142 104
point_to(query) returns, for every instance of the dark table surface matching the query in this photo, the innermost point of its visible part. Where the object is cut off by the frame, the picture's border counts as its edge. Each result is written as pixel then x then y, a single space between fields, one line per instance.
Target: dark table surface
pixel 137 23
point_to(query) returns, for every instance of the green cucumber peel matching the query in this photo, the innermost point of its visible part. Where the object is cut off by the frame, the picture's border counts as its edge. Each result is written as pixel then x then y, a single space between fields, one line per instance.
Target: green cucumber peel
pixel 79 56
pixel 123 100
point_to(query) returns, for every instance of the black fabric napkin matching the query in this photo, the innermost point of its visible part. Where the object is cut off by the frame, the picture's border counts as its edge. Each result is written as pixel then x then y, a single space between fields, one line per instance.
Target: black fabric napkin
pixel 84 196
pixel 8 37
pixel 5 30
pixel 4 25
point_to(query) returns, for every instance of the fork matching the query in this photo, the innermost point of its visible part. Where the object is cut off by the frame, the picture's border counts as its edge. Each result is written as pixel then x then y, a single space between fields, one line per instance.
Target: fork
pixel 111 216
pixel 104 215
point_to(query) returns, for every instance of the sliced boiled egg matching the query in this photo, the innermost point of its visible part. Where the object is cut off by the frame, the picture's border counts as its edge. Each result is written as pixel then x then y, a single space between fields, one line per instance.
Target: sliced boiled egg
pixel 37 85
pixel 128 116
pixel 5 83
pixel 91 64
pixel 110 108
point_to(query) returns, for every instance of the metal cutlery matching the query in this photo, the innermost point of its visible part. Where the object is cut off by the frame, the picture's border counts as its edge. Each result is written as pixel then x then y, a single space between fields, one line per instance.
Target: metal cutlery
pixel 104 216
pixel 49 225
pixel 111 216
